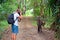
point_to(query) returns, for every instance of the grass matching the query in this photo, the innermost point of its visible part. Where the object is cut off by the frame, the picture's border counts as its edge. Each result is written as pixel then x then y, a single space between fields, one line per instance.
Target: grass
pixel 48 22
pixel 34 23
pixel 3 25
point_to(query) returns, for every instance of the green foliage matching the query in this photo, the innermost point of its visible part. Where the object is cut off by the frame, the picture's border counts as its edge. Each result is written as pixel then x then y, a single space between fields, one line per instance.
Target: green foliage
pixel 34 23
pixel 49 8
pixel 55 6
pixel 36 11
pixel 2 1
pixel 29 13
pixel 36 8
pixel 7 7
pixel 3 25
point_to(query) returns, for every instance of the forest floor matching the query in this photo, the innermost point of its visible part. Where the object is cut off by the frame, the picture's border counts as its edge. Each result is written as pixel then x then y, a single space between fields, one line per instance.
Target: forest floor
pixel 29 32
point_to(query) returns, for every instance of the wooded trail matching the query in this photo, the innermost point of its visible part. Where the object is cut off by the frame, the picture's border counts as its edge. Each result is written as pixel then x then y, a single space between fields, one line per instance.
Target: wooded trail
pixel 29 32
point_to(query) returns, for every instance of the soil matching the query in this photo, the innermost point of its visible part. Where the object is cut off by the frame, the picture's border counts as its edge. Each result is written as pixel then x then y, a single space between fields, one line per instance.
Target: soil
pixel 29 32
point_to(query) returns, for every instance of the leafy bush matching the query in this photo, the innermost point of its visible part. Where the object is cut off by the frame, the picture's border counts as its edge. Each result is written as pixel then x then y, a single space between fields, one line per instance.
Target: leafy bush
pixel 3 25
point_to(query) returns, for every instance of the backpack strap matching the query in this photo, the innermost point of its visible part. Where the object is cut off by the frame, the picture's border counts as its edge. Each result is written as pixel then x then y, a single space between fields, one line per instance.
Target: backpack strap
pixel 16 19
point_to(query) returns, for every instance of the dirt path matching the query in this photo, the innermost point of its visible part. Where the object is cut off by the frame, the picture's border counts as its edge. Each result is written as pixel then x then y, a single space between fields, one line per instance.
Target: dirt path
pixel 28 32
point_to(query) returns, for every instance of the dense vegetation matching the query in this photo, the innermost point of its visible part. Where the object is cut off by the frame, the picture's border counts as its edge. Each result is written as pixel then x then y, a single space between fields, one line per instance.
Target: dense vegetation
pixel 49 10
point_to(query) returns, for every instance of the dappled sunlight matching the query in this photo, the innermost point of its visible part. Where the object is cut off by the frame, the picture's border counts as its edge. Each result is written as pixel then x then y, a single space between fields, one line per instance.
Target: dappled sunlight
pixel 29 13
pixel 36 19
pixel 29 32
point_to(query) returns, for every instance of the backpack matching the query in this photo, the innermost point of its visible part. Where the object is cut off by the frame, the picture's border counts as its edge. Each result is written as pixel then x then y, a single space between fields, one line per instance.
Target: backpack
pixel 10 19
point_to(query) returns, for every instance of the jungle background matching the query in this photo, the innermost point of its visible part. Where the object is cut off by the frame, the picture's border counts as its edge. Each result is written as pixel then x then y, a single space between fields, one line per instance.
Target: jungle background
pixel 49 10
